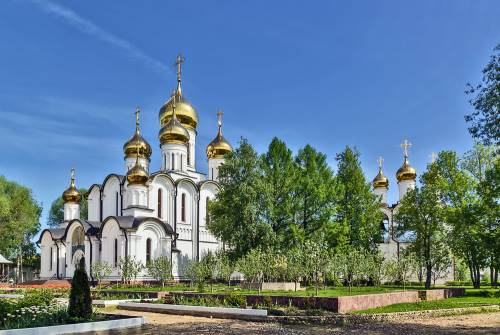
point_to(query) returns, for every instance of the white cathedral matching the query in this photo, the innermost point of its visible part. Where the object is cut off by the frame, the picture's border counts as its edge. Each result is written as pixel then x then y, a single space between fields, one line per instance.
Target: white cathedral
pixel 142 214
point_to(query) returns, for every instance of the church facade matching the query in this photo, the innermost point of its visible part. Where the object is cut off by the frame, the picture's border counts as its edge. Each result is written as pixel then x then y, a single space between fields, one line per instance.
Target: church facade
pixel 141 213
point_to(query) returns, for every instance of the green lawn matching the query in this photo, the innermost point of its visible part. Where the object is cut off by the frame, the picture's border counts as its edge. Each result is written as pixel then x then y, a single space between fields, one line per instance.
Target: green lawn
pixel 473 298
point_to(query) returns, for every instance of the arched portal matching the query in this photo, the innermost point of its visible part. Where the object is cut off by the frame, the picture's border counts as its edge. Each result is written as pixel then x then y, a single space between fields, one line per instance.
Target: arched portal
pixel 77 245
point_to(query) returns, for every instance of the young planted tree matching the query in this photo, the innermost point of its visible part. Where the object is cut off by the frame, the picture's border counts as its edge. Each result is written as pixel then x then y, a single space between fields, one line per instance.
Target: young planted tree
pixel 316 262
pixel 252 266
pixel 160 269
pixel 401 269
pixel 358 209
pixel 100 270
pixel 295 265
pixel 80 301
pixel 349 264
pixel 129 268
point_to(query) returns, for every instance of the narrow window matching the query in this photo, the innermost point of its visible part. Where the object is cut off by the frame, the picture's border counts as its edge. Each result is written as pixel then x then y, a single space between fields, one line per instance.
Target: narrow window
pixel 189 154
pixel 212 174
pixel 159 202
pixel 183 207
pixel 173 162
pixel 116 253
pixel 182 162
pixel 207 216
pixel 148 251
pixel 116 204
pixel 165 162
pixel 50 259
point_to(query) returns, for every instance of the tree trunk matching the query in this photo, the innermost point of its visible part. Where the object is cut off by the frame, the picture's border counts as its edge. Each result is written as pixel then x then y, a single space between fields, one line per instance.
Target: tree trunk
pixel 495 278
pixel 428 275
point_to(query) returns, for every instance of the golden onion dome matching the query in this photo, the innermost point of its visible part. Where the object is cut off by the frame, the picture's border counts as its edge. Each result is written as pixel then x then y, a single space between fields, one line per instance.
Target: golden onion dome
pixel 137 146
pixel 185 111
pixel 380 180
pixel 137 175
pixel 173 132
pixel 71 194
pixel 406 172
pixel 219 145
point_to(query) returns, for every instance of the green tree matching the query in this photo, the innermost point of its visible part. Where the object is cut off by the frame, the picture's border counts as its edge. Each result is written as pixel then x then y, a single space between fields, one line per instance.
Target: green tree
pixel 358 208
pixel 316 197
pixel 129 268
pixel 236 214
pixel 19 220
pixel 421 218
pixel 56 213
pixel 484 121
pixel 295 261
pixel 279 190
pixel 316 262
pixel 80 301
pixel 100 270
pixel 458 191
pixel 160 269
pixel 401 269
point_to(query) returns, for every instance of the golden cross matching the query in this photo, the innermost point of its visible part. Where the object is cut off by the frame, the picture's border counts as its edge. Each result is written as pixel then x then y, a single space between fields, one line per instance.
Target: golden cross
pixel 219 117
pixel 178 62
pixel 73 173
pixel 405 145
pixel 137 112
pixel 380 160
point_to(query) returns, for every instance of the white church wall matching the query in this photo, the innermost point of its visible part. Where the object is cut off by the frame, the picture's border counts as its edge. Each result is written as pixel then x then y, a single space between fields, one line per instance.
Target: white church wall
pixel 48 256
pixel 111 197
pixel 94 204
pixel 110 232
pixel 167 187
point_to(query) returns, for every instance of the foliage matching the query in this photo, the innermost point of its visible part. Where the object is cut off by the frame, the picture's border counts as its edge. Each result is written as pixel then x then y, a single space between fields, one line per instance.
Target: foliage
pixel 484 121
pixel 19 217
pixel 129 268
pixel 100 270
pixel 56 212
pixel 401 269
pixel 251 265
pixel 316 262
pixel 350 264
pixel 236 213
pixel 160 269
pixel 80 301
pixel 421 217
pixel 358 208
pixel 197 272
pixel 34 316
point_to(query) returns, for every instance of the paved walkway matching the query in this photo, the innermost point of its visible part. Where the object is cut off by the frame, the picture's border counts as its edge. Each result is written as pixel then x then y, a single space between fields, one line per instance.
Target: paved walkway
pixel 474 324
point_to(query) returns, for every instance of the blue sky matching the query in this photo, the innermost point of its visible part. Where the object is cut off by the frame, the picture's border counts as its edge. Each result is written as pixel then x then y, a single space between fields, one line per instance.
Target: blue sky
pixel 328 73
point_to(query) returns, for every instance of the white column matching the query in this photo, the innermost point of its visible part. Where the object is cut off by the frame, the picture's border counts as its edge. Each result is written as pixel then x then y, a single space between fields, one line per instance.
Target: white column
pixel 130 163
pixel 404 186
pixel 381 192
pixel 213 168
pixel 71 211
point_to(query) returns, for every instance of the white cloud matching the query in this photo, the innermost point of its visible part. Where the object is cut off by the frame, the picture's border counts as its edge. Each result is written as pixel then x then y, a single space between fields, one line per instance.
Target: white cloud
pixel 90 28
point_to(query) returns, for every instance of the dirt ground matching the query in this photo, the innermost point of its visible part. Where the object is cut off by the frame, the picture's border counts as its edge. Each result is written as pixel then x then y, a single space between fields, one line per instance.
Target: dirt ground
pixel 174 324
pixel 473 324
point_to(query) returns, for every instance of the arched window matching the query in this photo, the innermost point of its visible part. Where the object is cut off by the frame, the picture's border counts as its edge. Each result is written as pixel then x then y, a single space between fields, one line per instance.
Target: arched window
pixel 207 216
pixel 50 259
pixel 160 195
pixel 116 204
pixel 173 162
pixel 183 207
pixel 115 261
pixel 148 251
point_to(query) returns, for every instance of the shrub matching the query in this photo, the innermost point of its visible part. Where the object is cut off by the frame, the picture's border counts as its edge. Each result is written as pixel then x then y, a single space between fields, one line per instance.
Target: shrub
pixel 236 300
pixel 160 269
pixel 80 301
pixel 42 297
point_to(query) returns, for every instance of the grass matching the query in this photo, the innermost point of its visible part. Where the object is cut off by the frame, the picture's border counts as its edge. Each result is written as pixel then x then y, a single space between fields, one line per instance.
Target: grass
pixel 473 298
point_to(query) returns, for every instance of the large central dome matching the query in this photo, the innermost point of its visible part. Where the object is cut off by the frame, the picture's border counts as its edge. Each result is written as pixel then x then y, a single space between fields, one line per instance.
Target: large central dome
pixel 185 112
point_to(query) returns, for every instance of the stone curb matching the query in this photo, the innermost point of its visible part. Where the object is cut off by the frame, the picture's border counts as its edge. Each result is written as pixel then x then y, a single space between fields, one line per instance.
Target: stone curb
pixel 341 319
pixel 216 312
pixel 78 328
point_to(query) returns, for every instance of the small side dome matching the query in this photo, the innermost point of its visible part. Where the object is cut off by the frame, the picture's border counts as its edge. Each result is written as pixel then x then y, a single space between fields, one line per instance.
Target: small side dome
pixel 173 132
pixel 219 145
pixel 71 194
pixel 137 175
pixel 380 180
pixel 137 146
pixel 406 172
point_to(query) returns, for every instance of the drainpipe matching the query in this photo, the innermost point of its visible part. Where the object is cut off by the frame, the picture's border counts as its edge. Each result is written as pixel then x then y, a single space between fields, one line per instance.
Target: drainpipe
pixel 90 267
pixel 100 204
pixel 175 214
pixel 57 260
pixel 198 228
pixel 126 242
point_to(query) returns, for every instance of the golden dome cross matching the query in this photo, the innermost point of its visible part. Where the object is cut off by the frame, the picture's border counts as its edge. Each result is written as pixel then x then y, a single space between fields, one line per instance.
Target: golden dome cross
pixel 219 117
pixel 178 63
pixel 72 173
pixel 137 114
pixel 405 145
pixel 380 160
